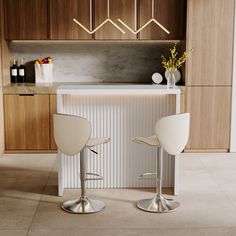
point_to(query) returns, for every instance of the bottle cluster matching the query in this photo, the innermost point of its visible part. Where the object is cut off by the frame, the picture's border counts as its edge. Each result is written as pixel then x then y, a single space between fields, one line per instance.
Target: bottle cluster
pixel 17 72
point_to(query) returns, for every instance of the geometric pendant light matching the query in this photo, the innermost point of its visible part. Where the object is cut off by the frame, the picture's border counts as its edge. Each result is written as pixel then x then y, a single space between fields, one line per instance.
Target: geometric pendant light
pixel 103 23
pixel 145 25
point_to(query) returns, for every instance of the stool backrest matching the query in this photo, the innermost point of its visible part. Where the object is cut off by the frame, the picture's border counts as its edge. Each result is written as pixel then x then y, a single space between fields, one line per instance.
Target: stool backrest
pixel 173 132
pixel 71 133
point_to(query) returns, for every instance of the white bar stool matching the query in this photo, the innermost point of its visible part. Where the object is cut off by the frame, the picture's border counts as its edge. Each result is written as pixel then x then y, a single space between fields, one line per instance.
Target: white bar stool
pixel 172 133
pixel 72 136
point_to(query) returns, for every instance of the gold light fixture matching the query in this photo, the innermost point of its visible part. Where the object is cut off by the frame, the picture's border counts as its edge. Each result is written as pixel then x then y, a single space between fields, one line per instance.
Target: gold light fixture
pixel 90 31
pixel 145 25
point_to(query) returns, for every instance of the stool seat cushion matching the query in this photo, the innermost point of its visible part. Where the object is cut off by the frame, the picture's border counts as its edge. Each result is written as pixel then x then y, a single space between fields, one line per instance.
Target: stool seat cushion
pixel 97 141
pixel 151 141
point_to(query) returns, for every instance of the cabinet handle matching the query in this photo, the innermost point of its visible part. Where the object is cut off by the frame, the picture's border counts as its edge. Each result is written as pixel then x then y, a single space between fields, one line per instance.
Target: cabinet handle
pixel 26 95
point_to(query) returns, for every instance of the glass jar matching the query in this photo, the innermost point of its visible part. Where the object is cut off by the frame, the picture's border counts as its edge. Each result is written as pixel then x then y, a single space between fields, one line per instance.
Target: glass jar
pixel 171 80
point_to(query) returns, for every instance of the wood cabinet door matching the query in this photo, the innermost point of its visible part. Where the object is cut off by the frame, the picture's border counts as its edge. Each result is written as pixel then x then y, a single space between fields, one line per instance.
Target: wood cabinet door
pixel 123 9
pixel 170 13
pixel 53 110
pixel 210 111
pixel 26 122
pixel 62 13
pixel 26 19
pixel 210 29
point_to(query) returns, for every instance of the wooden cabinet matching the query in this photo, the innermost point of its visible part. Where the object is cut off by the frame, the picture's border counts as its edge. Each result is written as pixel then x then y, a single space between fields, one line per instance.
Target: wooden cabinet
pixel 53 19
pixel 26 19
pixel 210 110
pixel 210 30
pixel 62 13
pixel 53 109
pixel 29 122
pixel 123 9
pixel 26 122
pixel 170 13
pixel 1 82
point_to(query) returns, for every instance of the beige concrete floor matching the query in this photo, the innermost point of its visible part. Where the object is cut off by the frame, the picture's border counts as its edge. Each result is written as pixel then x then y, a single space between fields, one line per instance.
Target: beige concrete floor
pixel 29 205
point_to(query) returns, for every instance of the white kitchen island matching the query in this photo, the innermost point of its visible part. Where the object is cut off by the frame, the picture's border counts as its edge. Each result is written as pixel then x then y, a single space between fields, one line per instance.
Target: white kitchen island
pixel 120 112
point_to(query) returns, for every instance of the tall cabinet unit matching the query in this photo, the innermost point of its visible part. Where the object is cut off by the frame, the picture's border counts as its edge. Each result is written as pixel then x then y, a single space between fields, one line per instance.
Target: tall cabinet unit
pixel 4 72
pixel 1 84
pixel 210 28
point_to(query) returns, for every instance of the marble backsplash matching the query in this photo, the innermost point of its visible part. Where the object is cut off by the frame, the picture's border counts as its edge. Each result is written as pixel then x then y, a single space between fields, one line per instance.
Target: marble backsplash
pixel 95 61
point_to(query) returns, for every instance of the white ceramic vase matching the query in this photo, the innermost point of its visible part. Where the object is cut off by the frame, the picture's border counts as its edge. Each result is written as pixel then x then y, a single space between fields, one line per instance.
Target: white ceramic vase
pixel 177 75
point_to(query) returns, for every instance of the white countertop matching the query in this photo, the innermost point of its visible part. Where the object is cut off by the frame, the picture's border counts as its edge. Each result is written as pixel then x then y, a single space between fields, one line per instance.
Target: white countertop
pixel 117 89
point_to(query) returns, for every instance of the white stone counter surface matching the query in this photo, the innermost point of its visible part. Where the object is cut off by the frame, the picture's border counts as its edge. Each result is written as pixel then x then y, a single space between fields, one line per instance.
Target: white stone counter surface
pixel 45 88
pixel 117 89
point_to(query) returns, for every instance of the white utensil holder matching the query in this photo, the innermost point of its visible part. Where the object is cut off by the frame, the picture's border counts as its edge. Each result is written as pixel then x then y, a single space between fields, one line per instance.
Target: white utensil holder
pixel 43 73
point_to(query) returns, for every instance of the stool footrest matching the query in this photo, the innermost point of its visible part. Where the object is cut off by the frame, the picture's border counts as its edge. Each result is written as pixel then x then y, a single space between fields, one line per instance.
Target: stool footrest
pixel 93 151
pixel 97 176
pixel 148 176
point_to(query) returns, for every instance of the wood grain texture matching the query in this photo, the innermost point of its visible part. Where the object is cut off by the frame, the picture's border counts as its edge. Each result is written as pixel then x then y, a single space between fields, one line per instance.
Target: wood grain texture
pixel 210 109
pixel 62 13
pixel 53 110
pixel 170 13
pixel 210 30
pixel 183 102
pixel 30 151
pixel 4 71
pixel 1 39
pixel 4 45
pixel 26 19
pixel 27 122
pixel 123 9
pixel 1 81
pixel 5 63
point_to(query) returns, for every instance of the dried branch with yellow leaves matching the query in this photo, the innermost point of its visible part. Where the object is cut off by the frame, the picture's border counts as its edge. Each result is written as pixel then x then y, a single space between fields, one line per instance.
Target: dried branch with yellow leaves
pixel 173 63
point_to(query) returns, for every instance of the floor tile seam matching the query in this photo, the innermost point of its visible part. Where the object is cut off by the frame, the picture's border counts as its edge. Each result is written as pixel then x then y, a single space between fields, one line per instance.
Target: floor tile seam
pixel 13 229
pixel 55 162
pixel 119 229
pixel 46 182
pixel 21 198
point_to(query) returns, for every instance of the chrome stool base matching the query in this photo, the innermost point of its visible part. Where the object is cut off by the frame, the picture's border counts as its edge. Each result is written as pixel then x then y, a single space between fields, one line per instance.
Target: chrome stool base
pixel 83 206
pixel 157 205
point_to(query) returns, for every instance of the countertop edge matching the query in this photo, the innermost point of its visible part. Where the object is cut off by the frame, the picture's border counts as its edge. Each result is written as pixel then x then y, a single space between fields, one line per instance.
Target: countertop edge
pixel 52 88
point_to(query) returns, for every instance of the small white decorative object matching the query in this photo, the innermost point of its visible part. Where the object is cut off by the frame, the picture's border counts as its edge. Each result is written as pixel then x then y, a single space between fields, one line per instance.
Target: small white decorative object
pixel 43 73
pixel 157 78
pixel 177 75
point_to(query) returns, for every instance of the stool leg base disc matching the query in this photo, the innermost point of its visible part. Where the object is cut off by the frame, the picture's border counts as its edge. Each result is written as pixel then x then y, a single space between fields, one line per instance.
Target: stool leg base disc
pixel 83 206
pixel 157 205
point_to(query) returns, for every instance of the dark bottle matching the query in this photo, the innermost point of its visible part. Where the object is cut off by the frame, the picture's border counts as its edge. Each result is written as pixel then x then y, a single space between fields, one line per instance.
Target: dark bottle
pixel 21 72
pixel 13 71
